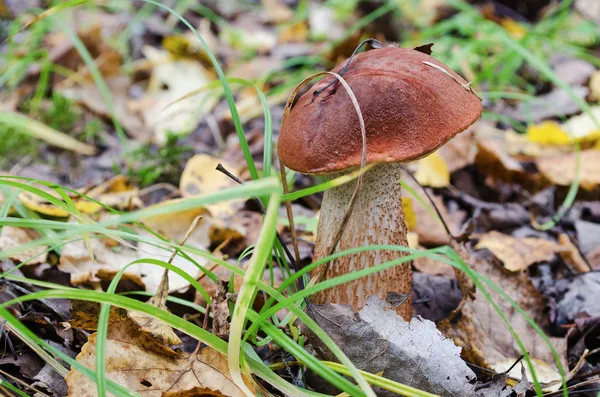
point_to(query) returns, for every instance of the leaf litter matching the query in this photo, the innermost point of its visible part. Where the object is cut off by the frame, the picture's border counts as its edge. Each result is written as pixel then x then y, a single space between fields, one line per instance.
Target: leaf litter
pixel 487 185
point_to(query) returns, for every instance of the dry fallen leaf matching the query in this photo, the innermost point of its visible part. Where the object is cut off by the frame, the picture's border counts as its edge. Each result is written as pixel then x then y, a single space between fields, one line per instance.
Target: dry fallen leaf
pixel 425 264
pixel 518 253
pixel 584 125
pixel 515 29
pixel 200 176
pixel 561 169
pixel 110 257
pixel 132 361
pixel 294 33
pixel 433 171
pixel 493 155
pixel 376 339
pixel 548 133
pixel 160 332
pixel 484 336
pixel 461 150
pixel 276 11
pixel 170 81
pixel 75 259
pixel 595 86
pixel 14 237
pixel 115 192
pixel 89 95
pixel 571 255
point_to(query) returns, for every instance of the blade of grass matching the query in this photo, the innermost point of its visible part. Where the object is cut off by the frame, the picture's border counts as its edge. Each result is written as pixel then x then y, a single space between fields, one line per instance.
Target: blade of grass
pixel 37 130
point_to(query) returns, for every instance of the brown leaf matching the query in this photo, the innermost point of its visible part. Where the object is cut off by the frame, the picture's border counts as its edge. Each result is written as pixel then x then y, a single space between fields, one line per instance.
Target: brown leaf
pixel 132 363
pixel 561 169
pixel 160 332
pixel 493 156
pixel 594 258
pixel 571 255
pixel 460 151
pixel 220 309
pixel 427 265
pixel 518 253
pixel 483 334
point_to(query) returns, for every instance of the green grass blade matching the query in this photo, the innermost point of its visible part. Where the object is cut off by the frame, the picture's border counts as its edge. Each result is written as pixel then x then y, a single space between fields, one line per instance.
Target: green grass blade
pixel 37 130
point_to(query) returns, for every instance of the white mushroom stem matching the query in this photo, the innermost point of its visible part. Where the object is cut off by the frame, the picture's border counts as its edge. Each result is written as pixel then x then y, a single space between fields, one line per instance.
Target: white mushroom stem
pixel 377 218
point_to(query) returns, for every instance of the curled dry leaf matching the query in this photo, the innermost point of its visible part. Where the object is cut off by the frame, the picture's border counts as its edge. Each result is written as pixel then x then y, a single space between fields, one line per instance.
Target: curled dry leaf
pixel 14 237
pixel 137 365
pixel 571 255
pixel 161 332
pixel 561 169
pixel 484 336
pixel 518 253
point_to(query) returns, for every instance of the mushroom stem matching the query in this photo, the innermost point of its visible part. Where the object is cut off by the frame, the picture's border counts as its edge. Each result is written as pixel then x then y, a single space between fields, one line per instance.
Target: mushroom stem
pixel 377 218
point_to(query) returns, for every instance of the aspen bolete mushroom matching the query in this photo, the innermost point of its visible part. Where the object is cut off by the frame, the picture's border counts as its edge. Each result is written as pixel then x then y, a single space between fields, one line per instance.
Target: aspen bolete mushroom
pixel 411 105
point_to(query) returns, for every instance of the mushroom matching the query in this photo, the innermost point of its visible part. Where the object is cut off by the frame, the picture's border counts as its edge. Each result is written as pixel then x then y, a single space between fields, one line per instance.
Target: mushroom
pixel 411 104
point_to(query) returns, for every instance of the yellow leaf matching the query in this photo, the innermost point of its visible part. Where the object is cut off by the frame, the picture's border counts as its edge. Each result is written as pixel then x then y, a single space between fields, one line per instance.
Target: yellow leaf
pixel 41 206
pixel 514 28
pixel 548 133
pixel 433 171
pixel 409 213
pixel 297 32
pixel 595 86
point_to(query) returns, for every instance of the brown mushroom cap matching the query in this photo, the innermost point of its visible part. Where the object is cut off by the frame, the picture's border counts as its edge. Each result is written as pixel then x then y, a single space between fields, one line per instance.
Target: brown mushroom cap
pixel 410 109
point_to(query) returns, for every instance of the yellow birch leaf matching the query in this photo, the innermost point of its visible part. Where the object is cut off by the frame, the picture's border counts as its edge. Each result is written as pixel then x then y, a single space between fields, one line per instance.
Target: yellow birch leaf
pixel 514 28
pixel 409 213
pixel 433 171
pixel 548 133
